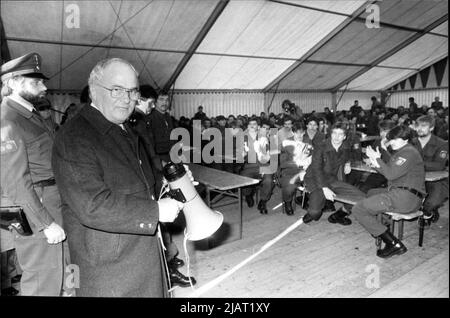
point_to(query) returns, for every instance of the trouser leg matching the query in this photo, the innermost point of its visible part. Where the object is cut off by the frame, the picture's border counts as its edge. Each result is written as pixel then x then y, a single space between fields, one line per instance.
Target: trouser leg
pixel 373 181
pixel 251 171
pixel 347 190
pixel 171 248
pixel 437 194
pixel 267 186
pixel 42 265
pixel 316 204
pixel 288 186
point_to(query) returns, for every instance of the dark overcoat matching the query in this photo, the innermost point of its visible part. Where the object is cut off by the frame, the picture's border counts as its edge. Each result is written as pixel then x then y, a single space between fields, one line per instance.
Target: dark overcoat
pixel 110 212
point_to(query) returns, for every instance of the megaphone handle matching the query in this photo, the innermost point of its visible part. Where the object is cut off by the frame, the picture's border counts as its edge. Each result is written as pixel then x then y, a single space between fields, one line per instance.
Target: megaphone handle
pixel 177 194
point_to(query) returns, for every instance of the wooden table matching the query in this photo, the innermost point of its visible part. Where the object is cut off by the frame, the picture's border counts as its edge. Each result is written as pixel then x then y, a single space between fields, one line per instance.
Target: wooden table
pixel 430 176
pixel 222 182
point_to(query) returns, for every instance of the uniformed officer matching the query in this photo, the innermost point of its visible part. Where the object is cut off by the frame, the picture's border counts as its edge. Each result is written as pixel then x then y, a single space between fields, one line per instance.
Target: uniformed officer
pixel 295 158
pixel 27 178
pixel 406 188
pixel 354 143
pixel 377 180
pixel 323 178
pixel 434 151
pixel 257 164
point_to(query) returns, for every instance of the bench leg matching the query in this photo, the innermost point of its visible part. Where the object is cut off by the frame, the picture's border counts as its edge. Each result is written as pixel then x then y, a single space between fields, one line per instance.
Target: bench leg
pixel 400 230
pixel 421 230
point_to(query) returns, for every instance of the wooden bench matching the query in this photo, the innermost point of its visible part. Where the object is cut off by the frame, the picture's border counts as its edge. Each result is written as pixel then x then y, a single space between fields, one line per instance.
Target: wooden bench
pixel 392 219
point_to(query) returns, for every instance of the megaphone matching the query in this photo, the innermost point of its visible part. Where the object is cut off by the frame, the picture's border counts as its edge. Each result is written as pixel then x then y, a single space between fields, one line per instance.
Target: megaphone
pixel 201 221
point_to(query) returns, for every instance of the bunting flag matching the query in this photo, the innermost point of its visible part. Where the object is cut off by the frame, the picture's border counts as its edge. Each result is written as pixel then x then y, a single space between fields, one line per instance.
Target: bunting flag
pixel 434 76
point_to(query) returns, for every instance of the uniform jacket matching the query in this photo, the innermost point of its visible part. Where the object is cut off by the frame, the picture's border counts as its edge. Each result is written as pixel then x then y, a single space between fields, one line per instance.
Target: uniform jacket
pixel 434 154
pixel 317 140
pixel 161 125
pixel 326 165
pixel 405 168
pixel 110 214
pixel 26 150
pixel 293 153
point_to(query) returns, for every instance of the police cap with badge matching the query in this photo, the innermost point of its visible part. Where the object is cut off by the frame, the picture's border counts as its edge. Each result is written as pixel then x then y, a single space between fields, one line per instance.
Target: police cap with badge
pixel 28 65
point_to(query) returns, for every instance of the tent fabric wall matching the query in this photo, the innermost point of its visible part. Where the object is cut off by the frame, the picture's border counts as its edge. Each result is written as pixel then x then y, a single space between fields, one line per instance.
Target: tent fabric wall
pixel 220 103
pixel 349 98
pixel 421 97
pixel 308 101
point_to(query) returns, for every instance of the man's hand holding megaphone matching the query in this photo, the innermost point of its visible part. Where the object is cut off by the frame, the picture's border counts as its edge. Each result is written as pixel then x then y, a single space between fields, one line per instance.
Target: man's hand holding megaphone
pixel 170 208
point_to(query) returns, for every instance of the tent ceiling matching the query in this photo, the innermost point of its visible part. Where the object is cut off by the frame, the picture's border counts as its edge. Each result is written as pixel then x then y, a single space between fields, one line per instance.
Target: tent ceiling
pixel 236 44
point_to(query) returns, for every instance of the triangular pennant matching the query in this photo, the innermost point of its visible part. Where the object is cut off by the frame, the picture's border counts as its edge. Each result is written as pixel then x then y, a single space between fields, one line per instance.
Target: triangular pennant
pixel 432 82
pixel 396 87
pixel 402 84
pixel 418 84
pixel 439 69
pixel 424 76
pixel 407 85
pixel 412 81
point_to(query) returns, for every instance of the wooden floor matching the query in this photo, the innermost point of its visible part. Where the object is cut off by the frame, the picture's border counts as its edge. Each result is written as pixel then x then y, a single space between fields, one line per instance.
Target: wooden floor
pixel 317 260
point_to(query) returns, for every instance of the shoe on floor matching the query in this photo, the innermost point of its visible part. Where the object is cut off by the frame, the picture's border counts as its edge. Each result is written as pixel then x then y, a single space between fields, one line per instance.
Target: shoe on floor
pixel 339 217
pixel 178 279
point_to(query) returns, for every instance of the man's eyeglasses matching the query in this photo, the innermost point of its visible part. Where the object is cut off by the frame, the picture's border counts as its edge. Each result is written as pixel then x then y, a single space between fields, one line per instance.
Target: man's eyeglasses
pixel 119 92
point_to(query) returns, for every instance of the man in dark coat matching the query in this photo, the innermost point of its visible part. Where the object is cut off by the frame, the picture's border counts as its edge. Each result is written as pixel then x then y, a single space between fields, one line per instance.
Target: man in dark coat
pixel 107 188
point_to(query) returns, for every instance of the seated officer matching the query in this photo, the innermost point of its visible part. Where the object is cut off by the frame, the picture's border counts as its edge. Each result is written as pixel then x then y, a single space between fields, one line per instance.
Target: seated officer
pixel 354 142
pixel 313 136
pixel 324 178
pixel 434 152
pixel 257 164
pixel 406 174
pixel 377 180
pixel 295 158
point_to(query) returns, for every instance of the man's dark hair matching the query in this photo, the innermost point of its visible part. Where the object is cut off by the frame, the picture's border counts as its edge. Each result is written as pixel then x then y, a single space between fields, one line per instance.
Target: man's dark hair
pixel 266 122
pixel 255 118
pixel 287 118
pixel 427 119
pixel 148 92
pixel 386 125
pixel 312 118
pixel 298 125
pixel 340 125
pixel 402 131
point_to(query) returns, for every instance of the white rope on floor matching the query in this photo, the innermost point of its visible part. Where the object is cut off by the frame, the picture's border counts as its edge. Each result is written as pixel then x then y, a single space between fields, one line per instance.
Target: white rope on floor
pixel 201 290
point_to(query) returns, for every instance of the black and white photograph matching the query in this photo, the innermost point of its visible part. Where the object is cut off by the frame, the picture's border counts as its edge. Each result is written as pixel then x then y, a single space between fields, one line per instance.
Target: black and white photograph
pixel 224 154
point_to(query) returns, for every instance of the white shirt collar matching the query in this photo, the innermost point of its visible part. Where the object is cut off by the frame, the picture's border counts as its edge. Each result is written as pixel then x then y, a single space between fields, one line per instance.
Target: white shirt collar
pixel 21 101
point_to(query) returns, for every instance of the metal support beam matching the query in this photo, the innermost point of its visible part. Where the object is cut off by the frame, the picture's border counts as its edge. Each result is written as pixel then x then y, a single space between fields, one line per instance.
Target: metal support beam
pixel 392 51
pixel 198 40
pixel 319 45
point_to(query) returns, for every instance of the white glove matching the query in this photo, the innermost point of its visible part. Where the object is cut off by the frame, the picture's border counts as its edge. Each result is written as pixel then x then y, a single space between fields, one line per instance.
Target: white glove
pixel 329 195
pixel 54 233
pixel 169 209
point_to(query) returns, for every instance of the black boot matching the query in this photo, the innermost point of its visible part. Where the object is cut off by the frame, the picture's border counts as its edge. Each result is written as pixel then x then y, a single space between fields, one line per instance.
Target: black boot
pixel 329 206
pixel 339 217
pixel 178 279
pixel 249 200
pixel 307 218
pixel 393 246
pixel 262 207
pixel 287 205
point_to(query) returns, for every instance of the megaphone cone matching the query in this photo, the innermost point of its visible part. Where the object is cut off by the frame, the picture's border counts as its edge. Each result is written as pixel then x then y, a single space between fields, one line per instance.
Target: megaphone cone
pixel 201 221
